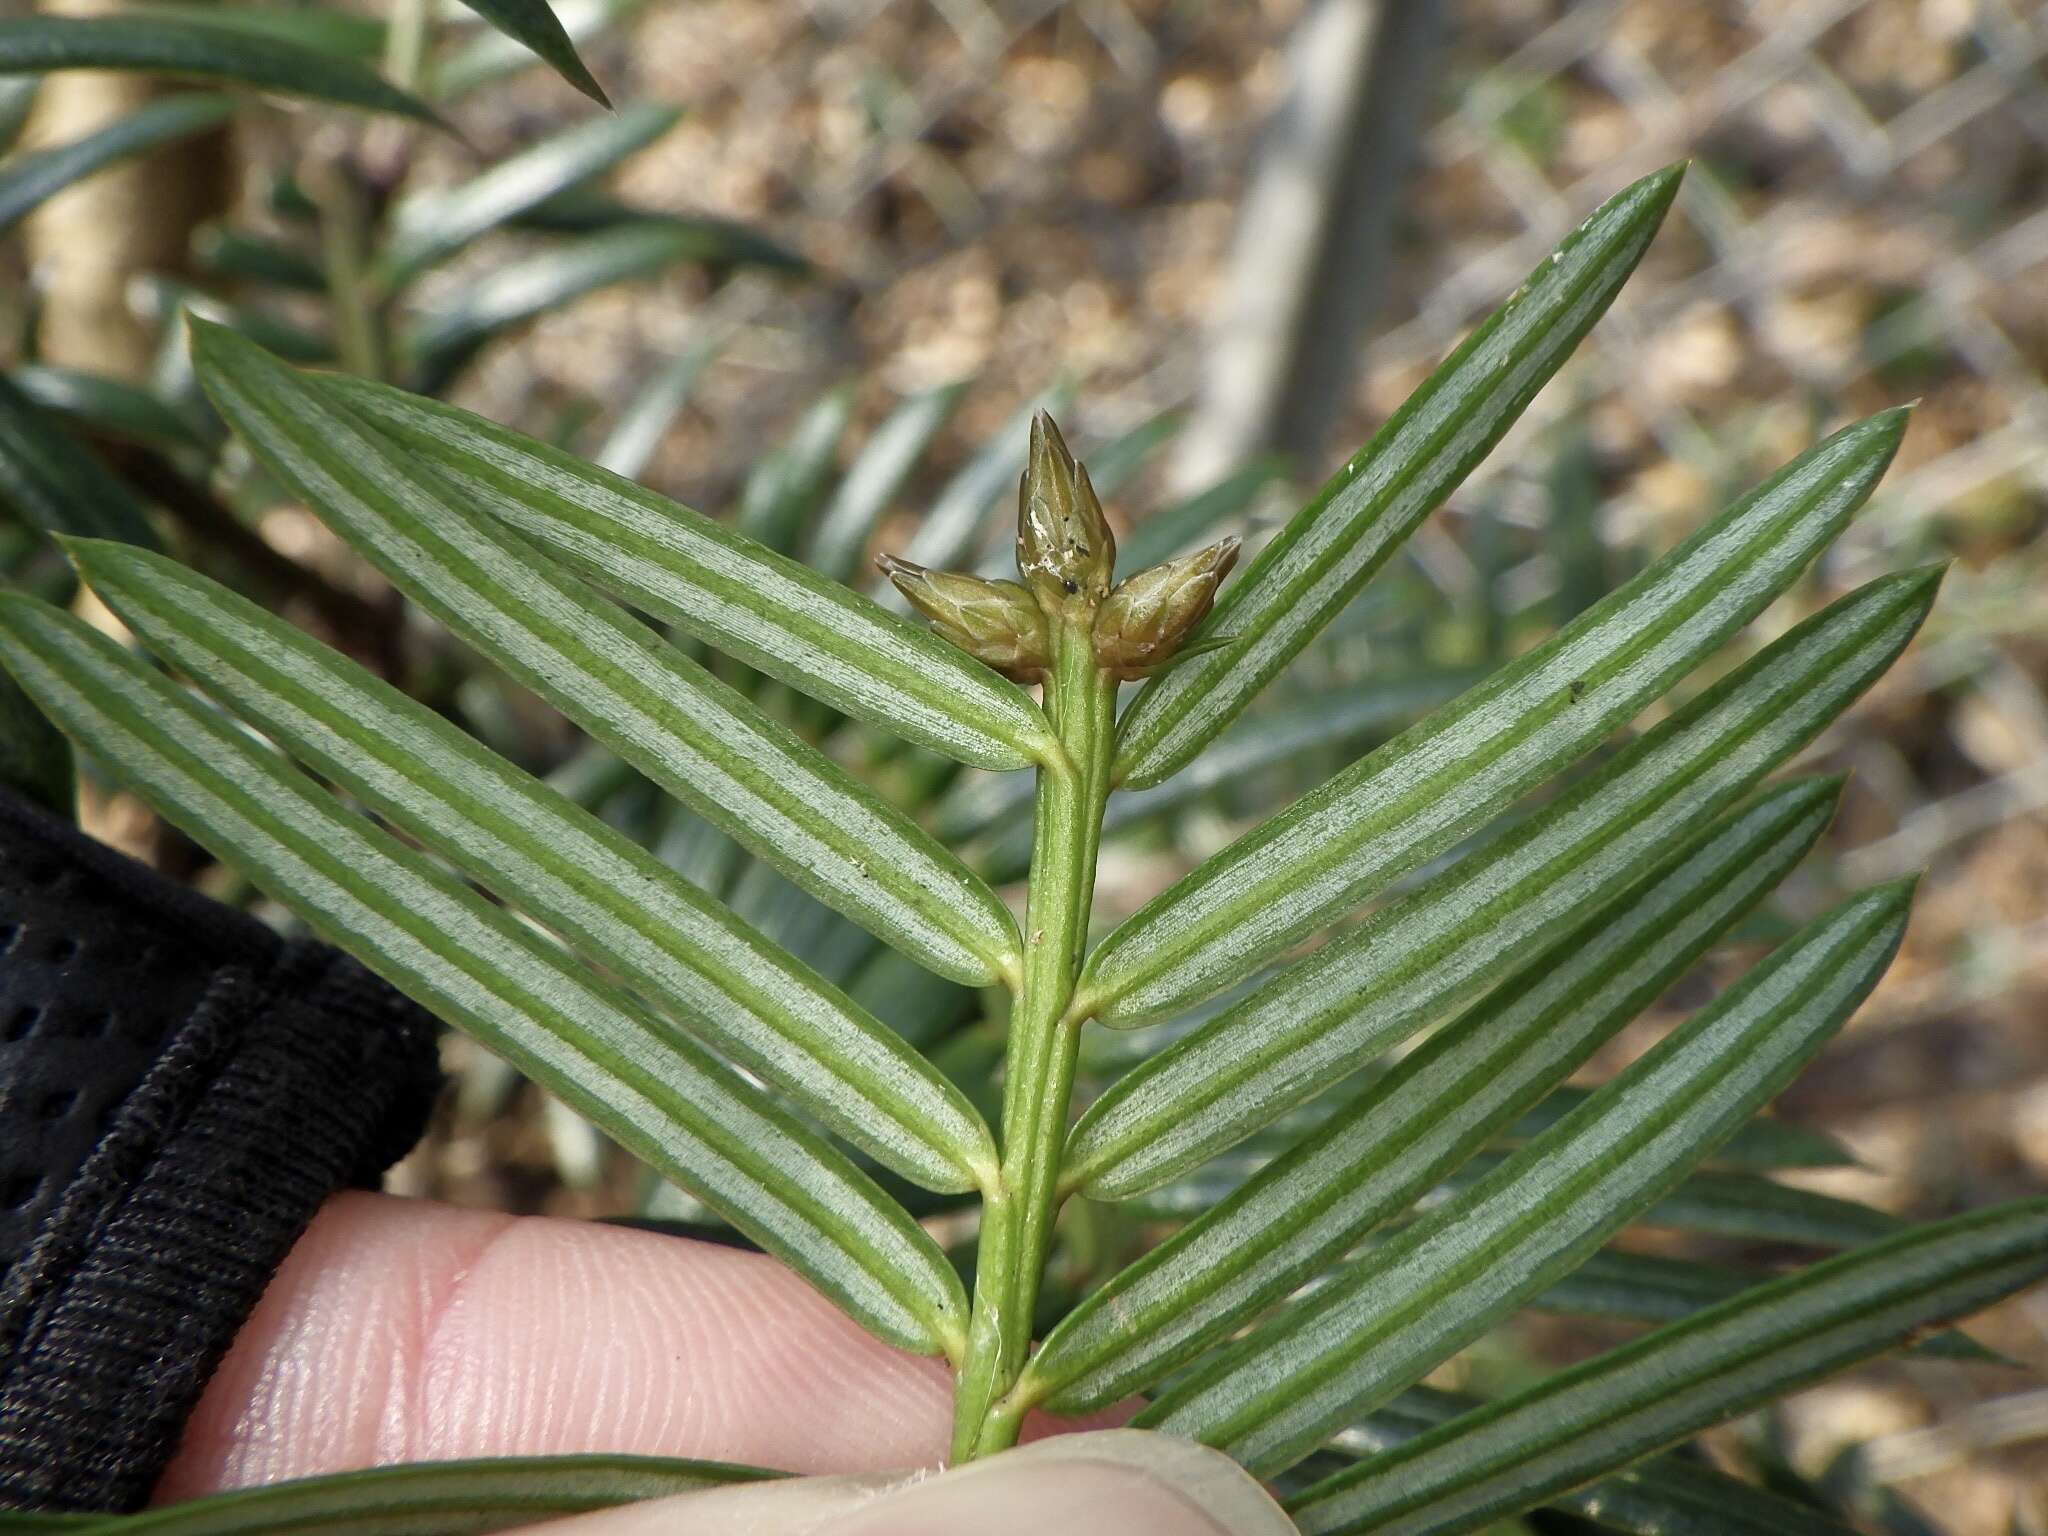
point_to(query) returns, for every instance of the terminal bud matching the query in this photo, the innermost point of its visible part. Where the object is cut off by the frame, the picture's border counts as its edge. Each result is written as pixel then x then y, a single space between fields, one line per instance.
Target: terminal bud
pixel 1065 551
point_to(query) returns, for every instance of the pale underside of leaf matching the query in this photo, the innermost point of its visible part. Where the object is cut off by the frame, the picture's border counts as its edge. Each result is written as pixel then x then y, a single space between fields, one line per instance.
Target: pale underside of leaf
pixel 1589 1421
pixel 541 854
pixel 690 733
pixel 1439 1105
pixel 1427 950
pixel 771 612
pixel 1305 576
pixel 1443 777
pixel 653 1089
pixel 1400 1310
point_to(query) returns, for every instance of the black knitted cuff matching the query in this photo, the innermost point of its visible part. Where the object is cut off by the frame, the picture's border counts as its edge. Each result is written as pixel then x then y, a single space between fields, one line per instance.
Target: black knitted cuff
pixel 180 1089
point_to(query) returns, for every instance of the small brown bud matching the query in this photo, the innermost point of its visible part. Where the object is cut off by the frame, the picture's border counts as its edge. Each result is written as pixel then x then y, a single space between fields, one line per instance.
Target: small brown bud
pixel 997 622
pixel 1145 621
pixel 1065 551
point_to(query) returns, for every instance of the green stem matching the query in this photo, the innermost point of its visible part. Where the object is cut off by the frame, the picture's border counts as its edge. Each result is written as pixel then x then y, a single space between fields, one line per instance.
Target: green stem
pixel 405 44
pixel 1017 1218
pixel 343 239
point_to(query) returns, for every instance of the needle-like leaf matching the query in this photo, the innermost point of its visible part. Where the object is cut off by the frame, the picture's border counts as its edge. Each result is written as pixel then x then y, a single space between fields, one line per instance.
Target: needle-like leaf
pixel 1646 1288
pixel 1440 1105
pixel 651 1087
pixel 534 24
pixel 538 852
pixel 1390 1317
pixel 35 759
pixel 1666 1496
pixel 1261 742
pixel 429 226
pixel 54 482
pixel 1434 946
pixel 27 180
pixel 784 800
pixel 1762 1146
pixel 1598 1417
pixel 1305 576
pixel 1438 780
pixel 773 613
pixel 427 1498
pixel 445 338
pixel 876 476
pixel 644 420
pixel 192 49
pixel 954 528
pixel 1176 529
pixel 788 482
pixel 244 256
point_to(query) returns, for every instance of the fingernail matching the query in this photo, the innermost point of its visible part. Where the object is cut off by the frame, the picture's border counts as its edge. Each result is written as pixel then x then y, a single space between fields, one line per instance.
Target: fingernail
pixel 1116 1482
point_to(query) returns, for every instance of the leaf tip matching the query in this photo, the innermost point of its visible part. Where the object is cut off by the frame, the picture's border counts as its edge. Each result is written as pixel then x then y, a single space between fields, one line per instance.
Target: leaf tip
pixel 1924 581
pixel 1887 427
pixel 1891 902
pixel 1662 185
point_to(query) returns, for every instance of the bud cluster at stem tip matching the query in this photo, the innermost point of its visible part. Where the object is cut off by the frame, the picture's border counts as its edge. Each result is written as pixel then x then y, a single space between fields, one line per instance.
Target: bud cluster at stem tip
pixel 1067 557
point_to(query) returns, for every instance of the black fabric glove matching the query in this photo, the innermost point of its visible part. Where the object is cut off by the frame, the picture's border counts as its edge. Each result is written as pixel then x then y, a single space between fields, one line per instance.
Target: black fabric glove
pixel 180 1089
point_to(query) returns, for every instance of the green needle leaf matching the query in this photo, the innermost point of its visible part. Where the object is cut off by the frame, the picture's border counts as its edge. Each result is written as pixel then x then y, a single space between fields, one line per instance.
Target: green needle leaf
pixel 17 101
pixel 1436 1108
pixel 537 851
pixel 644 420
pixel 1440 779
pixel 534 23
pixel 490 55
pixel 1253 745
pixel 652 1088
pixel 1644 1288
pixel 878 474
pixel 788 482
pixel 428 1498
pixel 135 40
pixel 1667 1496
pixel 1304 577
pixel 952 531
pixel 1439 944
pixel 1761 1146
pixel 1745 1208
pixel 777 615
pixel 445 338
pixel 1390 1317
pixel 28 180
pixel 1596 1418
pixel 1176 529
pixel 430 226
pixel 54 482
pixel 671 719
pixel 35 759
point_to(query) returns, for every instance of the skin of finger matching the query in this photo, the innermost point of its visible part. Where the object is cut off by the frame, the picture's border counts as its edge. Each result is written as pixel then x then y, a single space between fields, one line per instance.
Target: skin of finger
pixel 1108 1483
pixel 400 1330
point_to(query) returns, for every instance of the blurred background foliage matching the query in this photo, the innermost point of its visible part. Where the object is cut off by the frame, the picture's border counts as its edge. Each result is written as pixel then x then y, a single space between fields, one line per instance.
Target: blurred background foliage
pixel 826 255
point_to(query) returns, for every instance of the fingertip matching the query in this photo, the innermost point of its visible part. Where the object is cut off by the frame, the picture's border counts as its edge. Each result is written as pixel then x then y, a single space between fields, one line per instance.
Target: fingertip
pixel 400 1330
